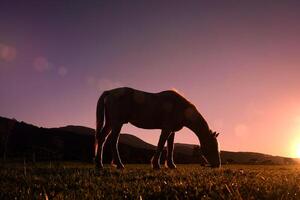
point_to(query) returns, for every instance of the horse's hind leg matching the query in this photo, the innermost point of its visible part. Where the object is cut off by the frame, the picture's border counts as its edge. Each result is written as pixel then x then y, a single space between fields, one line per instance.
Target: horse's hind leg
pixel 170 142
pixel 115 133
pixel 101 138
pixel 162 140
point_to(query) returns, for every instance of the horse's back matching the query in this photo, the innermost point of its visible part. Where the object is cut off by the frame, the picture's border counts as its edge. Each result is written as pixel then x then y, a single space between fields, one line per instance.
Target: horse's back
pixel 144 109
pixel 134 97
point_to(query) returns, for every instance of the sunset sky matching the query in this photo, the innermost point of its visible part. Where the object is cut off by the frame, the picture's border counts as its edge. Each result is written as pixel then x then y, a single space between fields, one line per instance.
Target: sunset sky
pixel 237 61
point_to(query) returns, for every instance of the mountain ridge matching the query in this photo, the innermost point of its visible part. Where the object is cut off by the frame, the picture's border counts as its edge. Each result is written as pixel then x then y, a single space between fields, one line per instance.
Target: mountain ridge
pixel 80 139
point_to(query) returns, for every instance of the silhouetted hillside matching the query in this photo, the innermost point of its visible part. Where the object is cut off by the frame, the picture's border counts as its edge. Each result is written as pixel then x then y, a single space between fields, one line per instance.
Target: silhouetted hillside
pixel 124 138
pixel 78 129
pixel 229 157
pixel 135 141
pixel 19 140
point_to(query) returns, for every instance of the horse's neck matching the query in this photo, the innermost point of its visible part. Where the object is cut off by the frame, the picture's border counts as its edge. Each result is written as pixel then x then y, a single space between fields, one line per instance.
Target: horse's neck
pixel 199 126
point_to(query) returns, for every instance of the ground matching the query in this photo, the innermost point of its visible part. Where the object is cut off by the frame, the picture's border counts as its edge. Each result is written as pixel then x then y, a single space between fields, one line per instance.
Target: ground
pixel 79 181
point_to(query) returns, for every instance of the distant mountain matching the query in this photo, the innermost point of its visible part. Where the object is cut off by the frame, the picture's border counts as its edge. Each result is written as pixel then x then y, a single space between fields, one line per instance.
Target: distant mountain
pixel 19 140
pixel 230 157
pixel 186 149
pixel 124 138
pixel 135 141
pixel 78 129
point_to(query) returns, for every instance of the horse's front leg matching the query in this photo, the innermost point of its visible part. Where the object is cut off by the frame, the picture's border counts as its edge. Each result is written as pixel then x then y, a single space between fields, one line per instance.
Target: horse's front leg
pixel 162 140
pixel 115 133
pixel 170 162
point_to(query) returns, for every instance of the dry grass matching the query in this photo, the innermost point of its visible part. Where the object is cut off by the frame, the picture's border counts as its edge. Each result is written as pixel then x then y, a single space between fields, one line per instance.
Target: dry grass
pixel 79 181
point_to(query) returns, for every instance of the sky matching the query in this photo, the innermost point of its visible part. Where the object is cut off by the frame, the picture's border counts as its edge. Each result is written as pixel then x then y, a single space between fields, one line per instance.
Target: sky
pixel 237 61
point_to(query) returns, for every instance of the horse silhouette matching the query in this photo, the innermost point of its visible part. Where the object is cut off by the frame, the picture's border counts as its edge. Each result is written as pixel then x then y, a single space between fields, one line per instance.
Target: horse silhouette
pixel 167 110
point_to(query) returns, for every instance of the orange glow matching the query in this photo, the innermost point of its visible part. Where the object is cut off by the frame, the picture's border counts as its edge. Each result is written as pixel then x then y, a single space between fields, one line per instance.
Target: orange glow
pixel 295 148
pixel 298 151
pixel 295 143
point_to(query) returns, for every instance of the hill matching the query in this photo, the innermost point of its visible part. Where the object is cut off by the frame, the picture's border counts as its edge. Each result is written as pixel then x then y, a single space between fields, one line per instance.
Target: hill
pixel 20 140
pixel 124 138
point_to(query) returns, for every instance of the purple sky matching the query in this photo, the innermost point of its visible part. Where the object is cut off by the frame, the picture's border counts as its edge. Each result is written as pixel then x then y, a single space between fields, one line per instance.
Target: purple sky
pixel 238 62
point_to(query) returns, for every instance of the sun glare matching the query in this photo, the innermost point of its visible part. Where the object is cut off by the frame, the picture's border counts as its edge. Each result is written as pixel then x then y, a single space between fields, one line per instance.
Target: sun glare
pixel 298 151
pixel 295 149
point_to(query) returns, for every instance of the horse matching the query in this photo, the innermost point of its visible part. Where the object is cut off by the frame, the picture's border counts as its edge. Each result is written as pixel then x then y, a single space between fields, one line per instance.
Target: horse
pixel 166 110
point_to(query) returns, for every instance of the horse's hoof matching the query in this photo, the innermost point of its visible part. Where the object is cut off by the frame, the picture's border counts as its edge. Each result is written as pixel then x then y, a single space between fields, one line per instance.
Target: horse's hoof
pixel 155 164
pixel 121 167
pixel 117 165
pixel 172 166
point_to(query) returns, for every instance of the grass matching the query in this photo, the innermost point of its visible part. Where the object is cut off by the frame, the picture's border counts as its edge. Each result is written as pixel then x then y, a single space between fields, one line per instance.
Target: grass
pixel 79 181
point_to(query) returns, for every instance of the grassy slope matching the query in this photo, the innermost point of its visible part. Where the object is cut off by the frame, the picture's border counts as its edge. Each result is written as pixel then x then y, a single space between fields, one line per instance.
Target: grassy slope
pixel 78 181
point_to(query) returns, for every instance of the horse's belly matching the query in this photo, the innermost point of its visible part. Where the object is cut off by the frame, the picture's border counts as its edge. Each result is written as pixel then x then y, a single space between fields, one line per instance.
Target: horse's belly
pixel 146 124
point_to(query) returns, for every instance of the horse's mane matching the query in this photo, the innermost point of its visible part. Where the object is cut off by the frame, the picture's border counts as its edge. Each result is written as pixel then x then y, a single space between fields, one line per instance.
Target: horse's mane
pixel 178 92
pixel 181 94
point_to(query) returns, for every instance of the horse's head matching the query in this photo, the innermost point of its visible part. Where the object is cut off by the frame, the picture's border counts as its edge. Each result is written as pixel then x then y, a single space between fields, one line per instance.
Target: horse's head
pixel 210 149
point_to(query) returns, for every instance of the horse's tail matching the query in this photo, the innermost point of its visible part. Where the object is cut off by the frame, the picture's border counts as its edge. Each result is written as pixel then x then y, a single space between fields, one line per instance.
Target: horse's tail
pixel 100 113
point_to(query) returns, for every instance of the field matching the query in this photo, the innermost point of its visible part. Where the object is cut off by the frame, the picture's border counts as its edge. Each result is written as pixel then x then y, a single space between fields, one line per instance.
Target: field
pixel 79 181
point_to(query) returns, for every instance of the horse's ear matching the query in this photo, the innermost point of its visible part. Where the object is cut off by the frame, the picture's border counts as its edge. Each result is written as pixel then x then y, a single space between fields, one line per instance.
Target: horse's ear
pixel 217 134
